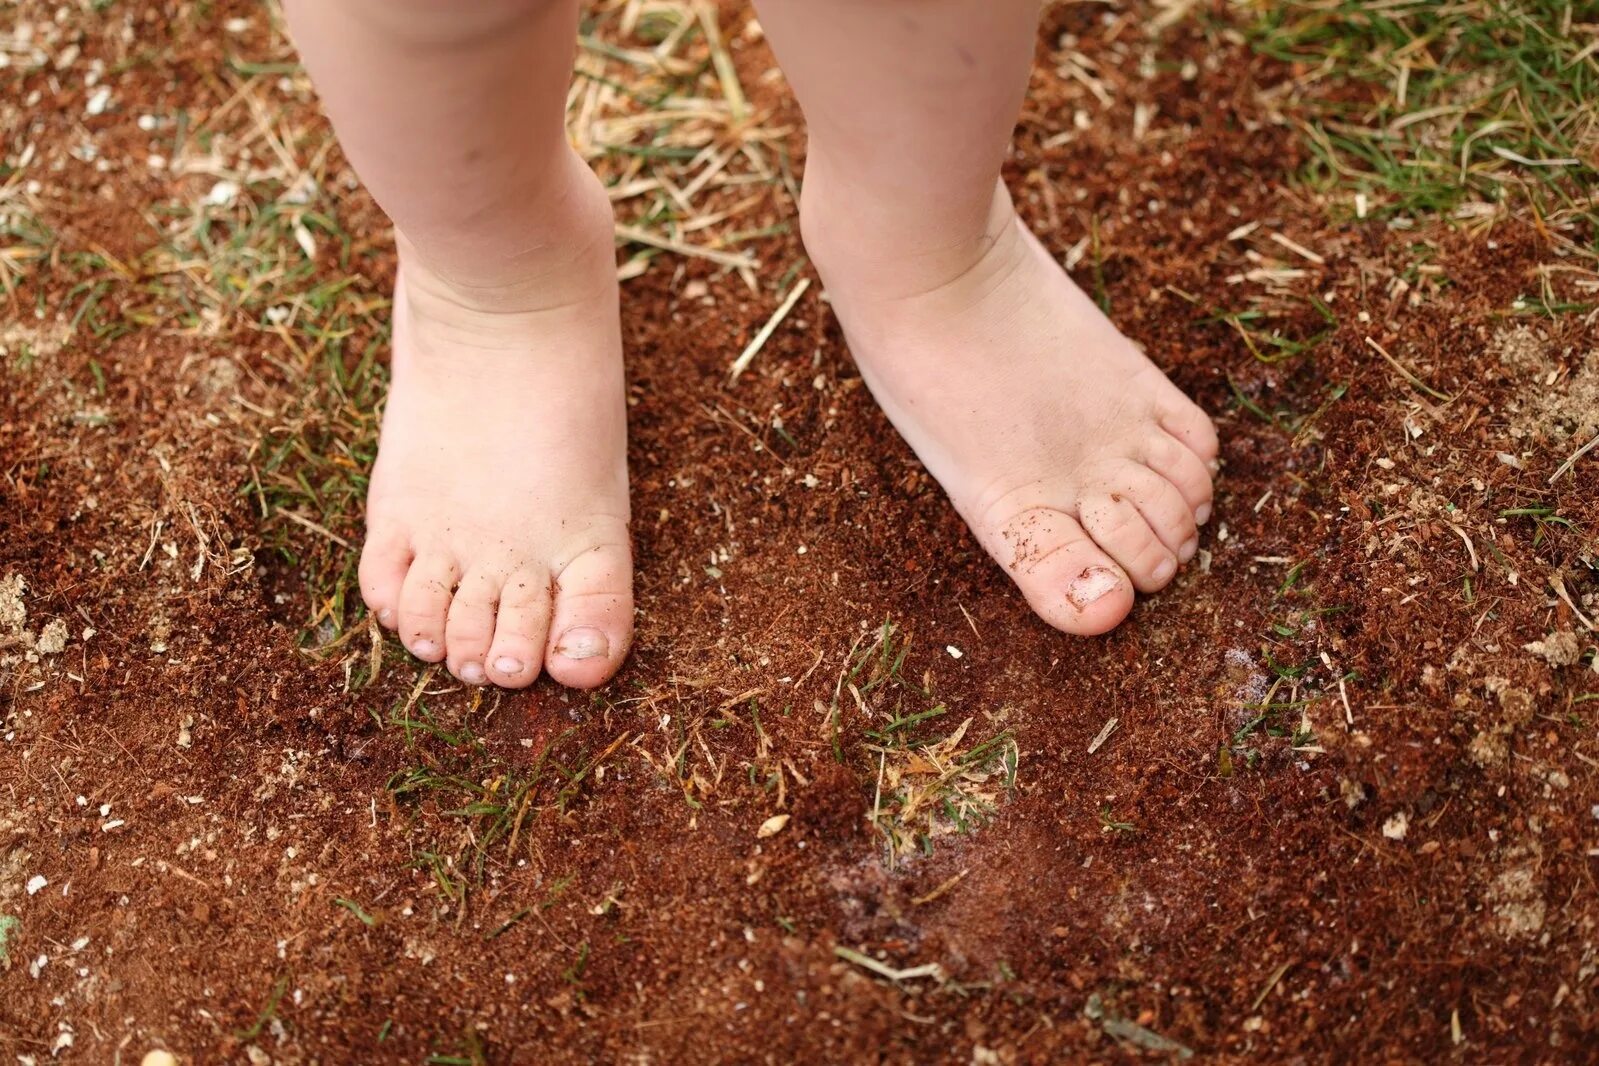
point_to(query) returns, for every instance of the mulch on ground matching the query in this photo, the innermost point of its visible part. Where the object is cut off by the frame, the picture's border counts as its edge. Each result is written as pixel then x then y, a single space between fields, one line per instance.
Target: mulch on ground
pixel 1330 796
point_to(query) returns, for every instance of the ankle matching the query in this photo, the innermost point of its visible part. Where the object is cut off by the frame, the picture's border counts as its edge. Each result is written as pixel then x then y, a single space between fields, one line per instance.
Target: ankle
pixel 894 245
pixel 563 255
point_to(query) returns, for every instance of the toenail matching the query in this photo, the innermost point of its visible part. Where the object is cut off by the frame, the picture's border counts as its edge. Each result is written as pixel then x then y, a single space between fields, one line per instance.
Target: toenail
pixel 1165 570
pixel 386 618
pixel 472 673
pixel 1186 552
pixel 507 665
pixel 1093 583
pixel 1202 513
pixel 584 642
pixel 422 649
pixel 1214 466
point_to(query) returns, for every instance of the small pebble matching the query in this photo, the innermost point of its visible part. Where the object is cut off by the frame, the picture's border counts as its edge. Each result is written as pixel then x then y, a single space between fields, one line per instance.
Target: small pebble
pixel 159 1057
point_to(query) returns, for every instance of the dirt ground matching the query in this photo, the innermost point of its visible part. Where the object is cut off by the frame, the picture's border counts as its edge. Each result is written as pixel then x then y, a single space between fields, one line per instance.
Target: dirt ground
pixel 1330 797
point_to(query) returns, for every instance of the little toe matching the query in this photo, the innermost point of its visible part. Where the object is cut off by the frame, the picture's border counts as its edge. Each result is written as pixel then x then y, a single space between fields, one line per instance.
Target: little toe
pixel 1183 419
pixel 1174 461
pixel 1067 580
pixel 469 628
pixel 1121 530
pixel 424 605
pixel 384 563
pixel 592 623
pixel 521 628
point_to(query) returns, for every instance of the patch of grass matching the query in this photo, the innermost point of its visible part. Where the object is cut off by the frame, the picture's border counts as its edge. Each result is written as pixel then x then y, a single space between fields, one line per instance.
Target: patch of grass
pixel 365 917
pixel 268 1012
pixel 8 926
pixel 1300 425
pixel 931 780
pixel 1544 518
pixel 469 1051
pixel 1268 331
pixel 1109 823
pixel 25 239
pixel 472 807
pixel 1470 109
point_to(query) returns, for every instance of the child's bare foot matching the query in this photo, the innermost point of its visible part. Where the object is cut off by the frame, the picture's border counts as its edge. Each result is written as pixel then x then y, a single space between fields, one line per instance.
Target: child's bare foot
pixel 1081 469
pixel 497 517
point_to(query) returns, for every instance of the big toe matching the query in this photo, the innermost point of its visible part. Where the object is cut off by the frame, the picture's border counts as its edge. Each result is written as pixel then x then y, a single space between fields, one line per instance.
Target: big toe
pixel 1067 579
pixel 592 623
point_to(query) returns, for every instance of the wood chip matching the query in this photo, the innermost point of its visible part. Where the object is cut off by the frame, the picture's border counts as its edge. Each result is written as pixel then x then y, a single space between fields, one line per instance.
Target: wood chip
pixel 1104 735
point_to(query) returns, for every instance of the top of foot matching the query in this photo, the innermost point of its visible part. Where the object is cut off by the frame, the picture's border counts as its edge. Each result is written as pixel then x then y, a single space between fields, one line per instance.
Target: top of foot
pixel 1082 470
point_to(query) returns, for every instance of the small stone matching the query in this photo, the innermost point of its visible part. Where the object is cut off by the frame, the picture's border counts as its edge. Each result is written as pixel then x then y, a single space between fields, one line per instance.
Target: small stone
pixel 53 640
pixel 1561 648
pixel 159 1057
pixel 222 194
pixel 36 883
pixel 1396 827
pixel 13 612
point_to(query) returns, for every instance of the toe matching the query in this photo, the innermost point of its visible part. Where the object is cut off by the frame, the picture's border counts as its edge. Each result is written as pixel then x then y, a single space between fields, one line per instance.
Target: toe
pixel 1162 506
pixel 424 605
pixel 469 629
pixel 384 562
pixel 1174 461
pixel 1068 581
pixel 592 624
pixel 1183 419
pixel 521 629
pixel 1118 527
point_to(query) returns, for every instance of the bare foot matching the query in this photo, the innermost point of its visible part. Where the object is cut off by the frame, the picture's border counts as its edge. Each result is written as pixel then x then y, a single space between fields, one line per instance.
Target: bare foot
pixel 497 517
pixel 1082 470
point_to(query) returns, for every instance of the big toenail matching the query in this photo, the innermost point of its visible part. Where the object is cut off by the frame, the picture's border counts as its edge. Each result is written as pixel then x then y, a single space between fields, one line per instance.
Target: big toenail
pixel 472 673
pixel 584 642
pixel 1202 513
pixel 1093 583
pixel 1165 570
pixel 422 649
pixel 507 665
pixel 386 617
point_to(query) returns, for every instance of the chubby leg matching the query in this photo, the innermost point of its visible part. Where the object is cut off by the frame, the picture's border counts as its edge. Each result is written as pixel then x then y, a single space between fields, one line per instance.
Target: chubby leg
pixel 1080 468
pixel 497 518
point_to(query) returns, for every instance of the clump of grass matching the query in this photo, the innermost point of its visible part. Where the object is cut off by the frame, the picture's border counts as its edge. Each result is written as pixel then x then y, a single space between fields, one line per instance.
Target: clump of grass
pixel 1303 681
pixel 1471 109
pixel 929 783
pixel 471 806
pixel 24 237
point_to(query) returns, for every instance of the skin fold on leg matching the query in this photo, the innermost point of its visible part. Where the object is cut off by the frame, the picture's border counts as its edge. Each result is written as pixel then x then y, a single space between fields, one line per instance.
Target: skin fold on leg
pixel 1080 468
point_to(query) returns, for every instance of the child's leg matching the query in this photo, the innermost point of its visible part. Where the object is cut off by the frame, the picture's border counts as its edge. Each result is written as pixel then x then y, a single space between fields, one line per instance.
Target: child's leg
pixel 497 515
pixel 1080 468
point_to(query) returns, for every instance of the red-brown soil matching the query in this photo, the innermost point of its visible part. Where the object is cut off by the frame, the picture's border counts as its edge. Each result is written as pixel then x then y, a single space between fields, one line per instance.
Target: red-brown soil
pixel 1396 863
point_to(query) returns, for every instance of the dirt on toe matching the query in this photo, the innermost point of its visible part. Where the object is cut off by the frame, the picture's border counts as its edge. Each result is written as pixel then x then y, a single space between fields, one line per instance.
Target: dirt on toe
pixel 1330 797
